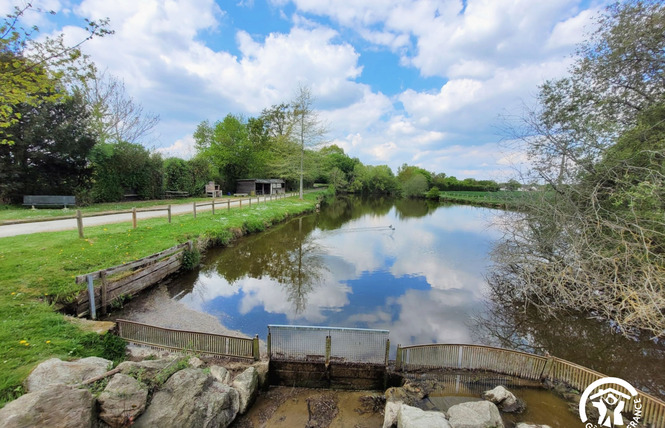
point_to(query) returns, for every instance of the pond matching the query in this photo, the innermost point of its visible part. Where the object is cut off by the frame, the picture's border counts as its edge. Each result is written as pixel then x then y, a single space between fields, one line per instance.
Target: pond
pixel 413 267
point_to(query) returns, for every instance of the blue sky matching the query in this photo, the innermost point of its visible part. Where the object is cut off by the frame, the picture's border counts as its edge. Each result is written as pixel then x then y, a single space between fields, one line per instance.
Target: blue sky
pixel 397 81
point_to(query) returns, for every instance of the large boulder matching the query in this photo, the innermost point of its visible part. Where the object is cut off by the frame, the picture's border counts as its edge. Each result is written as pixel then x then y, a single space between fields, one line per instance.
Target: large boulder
pixel 122 401
pixel 504 399
pixel 58 406
pixel 246 383
pixel 58 372
pixel 413 417
pixel 146 370
pixel 191 398
pixel 475 414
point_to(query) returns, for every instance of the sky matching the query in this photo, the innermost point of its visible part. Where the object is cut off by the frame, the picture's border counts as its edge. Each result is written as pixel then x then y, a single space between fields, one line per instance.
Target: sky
pixel 423 82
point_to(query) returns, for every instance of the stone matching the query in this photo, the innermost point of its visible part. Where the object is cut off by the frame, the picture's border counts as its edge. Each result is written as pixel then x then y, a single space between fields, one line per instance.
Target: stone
pixel 246 383
pixel 146 370
pixel 55 371
pixel 407 394
pixel 530 425
pixel 475 414
pixel 191 398
pixel 122 401
pixel 57 406
pixel 262 370
pixel 390 413
pixel 504 399
pixel 195 362
pixel 413 417
pixel 221 374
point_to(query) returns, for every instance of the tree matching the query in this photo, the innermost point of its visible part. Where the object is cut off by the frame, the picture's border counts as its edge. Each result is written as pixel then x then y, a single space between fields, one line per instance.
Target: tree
pixel 235 147
pixel 49 154
pixel 308 129
pixel 415 186
pixel 29 76
pixel 115 115
pixel 594 240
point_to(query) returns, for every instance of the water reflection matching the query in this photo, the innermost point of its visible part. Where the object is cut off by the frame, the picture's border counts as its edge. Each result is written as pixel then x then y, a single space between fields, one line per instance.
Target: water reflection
pixel 412 267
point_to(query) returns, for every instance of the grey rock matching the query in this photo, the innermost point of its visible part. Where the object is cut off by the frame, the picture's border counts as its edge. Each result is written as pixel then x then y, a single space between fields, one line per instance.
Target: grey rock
pixel 58 406
pixel 122 401
pixel 191 398
pixel 195 362
pixel 504 399
pixel 246 383
pixel 55 372
pixel 146 370
pixel 221 374
pixel 262 370
pixel 475 414
pixel 412 417
pixel 530 425
pixel 390 413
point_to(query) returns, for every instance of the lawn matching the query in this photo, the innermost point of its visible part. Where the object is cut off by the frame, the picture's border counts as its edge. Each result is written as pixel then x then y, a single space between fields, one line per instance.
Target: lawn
pixel 38 270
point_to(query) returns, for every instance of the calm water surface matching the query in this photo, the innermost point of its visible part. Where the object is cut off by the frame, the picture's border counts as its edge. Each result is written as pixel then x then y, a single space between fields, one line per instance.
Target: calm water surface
pixel 413 267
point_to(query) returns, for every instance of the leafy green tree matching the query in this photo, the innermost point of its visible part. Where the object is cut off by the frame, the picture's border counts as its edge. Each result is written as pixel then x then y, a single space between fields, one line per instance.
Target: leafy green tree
pixel 29 70
pixel 52 142
pixel 125 168
pixel 415 186
pixel 407 172
pixel 177 175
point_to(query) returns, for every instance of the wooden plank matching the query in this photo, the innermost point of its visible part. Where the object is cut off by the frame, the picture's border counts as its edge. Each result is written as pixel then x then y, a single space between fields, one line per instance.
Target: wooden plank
pixel 120 268
pixel 114 286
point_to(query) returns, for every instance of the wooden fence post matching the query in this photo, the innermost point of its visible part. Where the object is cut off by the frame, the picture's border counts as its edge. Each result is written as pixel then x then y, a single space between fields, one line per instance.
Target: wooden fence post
pixel 169 213
pixel 250 200
pixel 398 358
pixel 268 343
pixel 194 205
pixel 79 223
pixel 228 204
pixel 387 351
pixel 213 206
pixel 240 202
pixel 134 217
pixel 328 349
pixel 255 347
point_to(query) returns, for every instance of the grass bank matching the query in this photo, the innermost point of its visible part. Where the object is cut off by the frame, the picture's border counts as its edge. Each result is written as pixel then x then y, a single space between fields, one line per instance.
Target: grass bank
pixel 38 270
pixel 501 199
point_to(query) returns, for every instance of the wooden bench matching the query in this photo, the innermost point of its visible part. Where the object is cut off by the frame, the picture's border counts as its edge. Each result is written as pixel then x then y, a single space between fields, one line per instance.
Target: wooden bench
pixel 48 200
pixel 212 189
pixel 241 194
pixel 176 194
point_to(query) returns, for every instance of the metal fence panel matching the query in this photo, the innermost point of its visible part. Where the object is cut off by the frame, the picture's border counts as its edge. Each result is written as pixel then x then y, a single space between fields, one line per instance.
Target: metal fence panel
pixel 325 344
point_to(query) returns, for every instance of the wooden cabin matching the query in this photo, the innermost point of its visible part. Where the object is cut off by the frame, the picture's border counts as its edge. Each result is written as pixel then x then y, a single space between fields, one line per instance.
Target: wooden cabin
pixel 261 186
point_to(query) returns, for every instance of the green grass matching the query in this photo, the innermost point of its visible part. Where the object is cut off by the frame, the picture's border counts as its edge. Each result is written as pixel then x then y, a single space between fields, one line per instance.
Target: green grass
pixel 505 199
pixel 18 212
pixel 37 270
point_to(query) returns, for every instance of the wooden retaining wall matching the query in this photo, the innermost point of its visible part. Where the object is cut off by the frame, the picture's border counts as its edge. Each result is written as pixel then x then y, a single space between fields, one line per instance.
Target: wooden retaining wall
pixel 521 364
pixel 209 344
pixel 128 279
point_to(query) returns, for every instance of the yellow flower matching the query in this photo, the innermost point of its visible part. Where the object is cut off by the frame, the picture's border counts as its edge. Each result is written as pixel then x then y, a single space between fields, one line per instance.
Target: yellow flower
pixel 48 341
pixel 13 292
pixel 22 341
pixel 105 229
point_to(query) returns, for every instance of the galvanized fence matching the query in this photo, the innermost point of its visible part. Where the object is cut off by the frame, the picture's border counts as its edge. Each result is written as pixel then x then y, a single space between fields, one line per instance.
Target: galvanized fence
pixel 524 365
pixel 210 344
pixel 328 344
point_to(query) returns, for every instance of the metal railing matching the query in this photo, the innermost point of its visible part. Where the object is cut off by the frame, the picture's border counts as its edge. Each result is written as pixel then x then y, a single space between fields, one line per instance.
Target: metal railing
pixel 183 340
pixel 326 344
pixel 519 364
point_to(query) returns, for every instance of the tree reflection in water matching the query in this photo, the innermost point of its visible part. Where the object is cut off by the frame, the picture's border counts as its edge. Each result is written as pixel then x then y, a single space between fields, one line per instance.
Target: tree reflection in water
pixel 573 336
pixel 290 257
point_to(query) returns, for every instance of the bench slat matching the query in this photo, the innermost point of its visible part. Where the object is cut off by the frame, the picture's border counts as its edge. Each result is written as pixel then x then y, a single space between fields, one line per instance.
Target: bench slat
pixel 49 200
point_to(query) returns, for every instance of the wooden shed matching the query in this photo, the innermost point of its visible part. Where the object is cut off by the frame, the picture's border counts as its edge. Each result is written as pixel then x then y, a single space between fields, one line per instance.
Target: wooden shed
pixel 261 186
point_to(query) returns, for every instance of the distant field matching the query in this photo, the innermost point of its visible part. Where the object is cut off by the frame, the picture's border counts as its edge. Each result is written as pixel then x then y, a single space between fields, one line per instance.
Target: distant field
pixel 501 198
